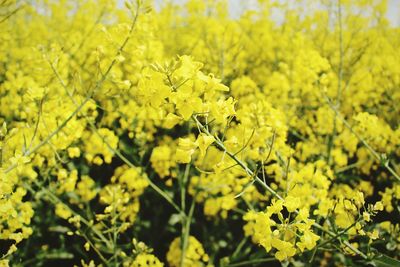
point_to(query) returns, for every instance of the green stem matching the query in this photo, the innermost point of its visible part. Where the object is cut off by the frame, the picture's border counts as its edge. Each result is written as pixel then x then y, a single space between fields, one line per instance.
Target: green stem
pixel 185 239
pixel 94 128
pixel 360 138
pixel 55 200
pixel 50 136
pixel 221 146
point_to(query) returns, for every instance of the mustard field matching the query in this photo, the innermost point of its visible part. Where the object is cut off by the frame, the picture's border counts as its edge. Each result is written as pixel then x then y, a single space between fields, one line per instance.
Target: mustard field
pixel 175 134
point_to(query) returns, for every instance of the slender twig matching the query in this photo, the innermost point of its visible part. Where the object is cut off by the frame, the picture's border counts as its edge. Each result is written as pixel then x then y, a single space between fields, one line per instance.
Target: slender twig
pixel 344 231
pixel 37 123
pixel 94 248
pixel 10 14
pixel 185 240
pixel 361 139
pixel 183 186
pixel 94 128
pixel 117 152
pixel 221 146
pixel 79 107
pixel 351 166
pixel 55 199
pixel 247 142
pixel 50 136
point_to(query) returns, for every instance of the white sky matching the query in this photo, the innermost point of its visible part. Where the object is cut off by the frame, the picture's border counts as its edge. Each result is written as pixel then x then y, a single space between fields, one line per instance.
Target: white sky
pixel 236 7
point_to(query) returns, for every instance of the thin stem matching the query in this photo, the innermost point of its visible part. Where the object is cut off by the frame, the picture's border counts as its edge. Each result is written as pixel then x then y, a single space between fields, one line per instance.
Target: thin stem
pixel 361 139
pixel 338 234
pixel 221 146
pixel 119 154
pixel 185 239
pixel 37 123
pixel 103 259
pixel 50 136
pixel 94 129
pixel 183 186
pixel 10 14
pixel 55 199
pixel 238 161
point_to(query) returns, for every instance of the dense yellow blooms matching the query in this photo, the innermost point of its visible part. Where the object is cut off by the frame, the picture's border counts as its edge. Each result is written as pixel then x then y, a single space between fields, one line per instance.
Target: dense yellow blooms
pixel 146 260
pixel 281 235
pixel 183 120
pixel 194 255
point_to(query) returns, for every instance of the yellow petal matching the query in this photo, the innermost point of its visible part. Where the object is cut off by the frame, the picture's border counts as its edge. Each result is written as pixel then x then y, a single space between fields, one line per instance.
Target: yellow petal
pixel 171 120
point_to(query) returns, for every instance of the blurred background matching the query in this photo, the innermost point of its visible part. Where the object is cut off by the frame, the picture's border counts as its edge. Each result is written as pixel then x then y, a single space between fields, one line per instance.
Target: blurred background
pixel 237 7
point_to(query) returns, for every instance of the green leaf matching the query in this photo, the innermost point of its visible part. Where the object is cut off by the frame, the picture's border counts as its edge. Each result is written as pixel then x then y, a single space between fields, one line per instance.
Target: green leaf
pixel 385 261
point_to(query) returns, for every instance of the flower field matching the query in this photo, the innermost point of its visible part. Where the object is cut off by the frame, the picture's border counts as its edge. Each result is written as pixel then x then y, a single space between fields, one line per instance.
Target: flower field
pixel 134 134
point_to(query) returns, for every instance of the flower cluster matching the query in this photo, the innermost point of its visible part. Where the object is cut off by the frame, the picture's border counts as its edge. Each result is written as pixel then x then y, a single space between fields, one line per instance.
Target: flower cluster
pixel 217 140
pixel 194 254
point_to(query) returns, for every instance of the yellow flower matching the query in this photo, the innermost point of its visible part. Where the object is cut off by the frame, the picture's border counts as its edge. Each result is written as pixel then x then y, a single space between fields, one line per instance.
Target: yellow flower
pixel 74 152
pixel 4 263
pixel 185 150
pixel 203 142
pixel 222 109
pixel 308 240
pixel 85 188
pixel 187 67
pixel 186 104
pixel 212 83
pixel 285 249
pixel 146 260
pixel 378 206
pixel 63 211
pixel 19 160
pixel 366 216
pixel 292 203
pixel 171 120
pixel 374 235
pixel 276 206
pixel 195 255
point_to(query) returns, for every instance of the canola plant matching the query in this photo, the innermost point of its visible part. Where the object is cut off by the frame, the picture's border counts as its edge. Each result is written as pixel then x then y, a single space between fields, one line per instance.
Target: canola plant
pixel 183 136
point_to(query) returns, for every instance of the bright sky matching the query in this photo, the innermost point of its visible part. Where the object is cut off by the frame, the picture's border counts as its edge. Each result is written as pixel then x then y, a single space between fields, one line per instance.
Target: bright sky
pixel 238 6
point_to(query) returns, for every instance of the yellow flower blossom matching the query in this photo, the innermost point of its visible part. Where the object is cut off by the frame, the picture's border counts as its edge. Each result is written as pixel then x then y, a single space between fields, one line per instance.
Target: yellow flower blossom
pixel 203 142
pixel 185 150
